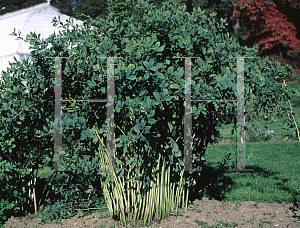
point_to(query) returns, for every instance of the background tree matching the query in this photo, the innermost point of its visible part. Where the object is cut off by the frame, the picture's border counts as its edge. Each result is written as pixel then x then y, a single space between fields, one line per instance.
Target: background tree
pixel 291 8
pixel 93 8
pixel 7 6
pixel 223 8
pixel 65 6
pixel 268 27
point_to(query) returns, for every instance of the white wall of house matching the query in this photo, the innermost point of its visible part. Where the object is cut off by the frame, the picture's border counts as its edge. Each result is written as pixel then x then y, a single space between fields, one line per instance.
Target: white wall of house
pixel 36 19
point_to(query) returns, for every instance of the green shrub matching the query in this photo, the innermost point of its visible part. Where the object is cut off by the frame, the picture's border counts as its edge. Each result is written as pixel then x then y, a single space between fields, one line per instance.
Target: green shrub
pixel 257 133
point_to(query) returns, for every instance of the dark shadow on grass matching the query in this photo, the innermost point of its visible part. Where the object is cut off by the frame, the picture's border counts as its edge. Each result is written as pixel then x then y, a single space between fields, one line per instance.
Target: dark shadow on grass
pixel 214 182
pixel 209 182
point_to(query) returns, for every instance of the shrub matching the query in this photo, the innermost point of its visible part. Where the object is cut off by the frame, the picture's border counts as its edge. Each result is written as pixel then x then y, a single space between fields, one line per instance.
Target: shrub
pixel 149 82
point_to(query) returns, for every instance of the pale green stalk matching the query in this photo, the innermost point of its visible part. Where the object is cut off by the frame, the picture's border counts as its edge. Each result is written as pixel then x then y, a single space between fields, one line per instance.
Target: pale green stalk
pixel 157 198
pixel 187 199
pixel 146 208
pixel 183 197
pixel 168 190
pixel 128 201
pixel 152 189
pixel 158 187
pixel 139 185
pixel 161 192
pixel 173 196
pixel 161 199
pixel 120 192
pixel 134 204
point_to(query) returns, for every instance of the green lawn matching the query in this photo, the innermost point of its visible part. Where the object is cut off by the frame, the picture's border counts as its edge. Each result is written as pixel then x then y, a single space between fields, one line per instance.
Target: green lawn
pixel 276 175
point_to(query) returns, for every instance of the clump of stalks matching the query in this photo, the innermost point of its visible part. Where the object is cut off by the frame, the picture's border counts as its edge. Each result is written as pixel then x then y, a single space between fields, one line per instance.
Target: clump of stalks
pixel 128 200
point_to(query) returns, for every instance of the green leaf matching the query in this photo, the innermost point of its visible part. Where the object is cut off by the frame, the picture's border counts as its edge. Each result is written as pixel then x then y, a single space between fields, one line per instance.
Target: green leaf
pixel 132 77
pixel 142 93
pixel 164 93
pixel 171 70
pixel 181 162
pixel 146 76
pixel 152 113
pixel 154 68
pixel 95 140
pixel 137 128
pixel 91 84
pixel 174 86
pixel 160 75
pixel 129 161
pixel 119 145
pixel 131 66
pixel 132 165
pixel 160 49
pixel 127 49
pixel 128 72
pixel 107 180
pixel 167 98
pixel 151 121
pixel 124 40
pixel 157 96
pixel 85 134
pixel 118 162
pixel 149 64
pixel 177 154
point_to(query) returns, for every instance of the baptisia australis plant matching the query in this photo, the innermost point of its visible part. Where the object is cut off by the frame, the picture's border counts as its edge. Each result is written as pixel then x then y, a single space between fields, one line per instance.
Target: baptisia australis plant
pixel 146 43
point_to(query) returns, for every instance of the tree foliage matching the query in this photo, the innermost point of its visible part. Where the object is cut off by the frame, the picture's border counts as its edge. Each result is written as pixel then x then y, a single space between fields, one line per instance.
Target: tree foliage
pixel 269 27
pixel 93 8
pixel 65 6
pixel 7 6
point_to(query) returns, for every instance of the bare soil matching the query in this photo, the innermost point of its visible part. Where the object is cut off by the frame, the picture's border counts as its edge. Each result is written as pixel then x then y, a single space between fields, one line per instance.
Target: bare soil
pixel 204 213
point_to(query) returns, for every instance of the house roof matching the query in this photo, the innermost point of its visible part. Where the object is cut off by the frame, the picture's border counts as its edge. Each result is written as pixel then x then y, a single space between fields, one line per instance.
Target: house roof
pixel 36 19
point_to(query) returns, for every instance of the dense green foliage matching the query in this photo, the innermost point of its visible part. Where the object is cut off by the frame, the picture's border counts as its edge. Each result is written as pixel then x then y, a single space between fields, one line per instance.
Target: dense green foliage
pixel 149 99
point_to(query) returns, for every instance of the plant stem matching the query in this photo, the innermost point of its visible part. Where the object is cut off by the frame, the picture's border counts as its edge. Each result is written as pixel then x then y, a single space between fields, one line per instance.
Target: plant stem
pixel 293 116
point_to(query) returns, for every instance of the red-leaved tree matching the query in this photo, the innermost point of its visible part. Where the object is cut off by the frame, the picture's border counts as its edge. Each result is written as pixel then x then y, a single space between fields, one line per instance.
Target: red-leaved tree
pixel 269 27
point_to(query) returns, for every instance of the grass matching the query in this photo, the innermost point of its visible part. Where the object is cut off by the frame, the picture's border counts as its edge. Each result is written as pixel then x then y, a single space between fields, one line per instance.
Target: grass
pixel 219 224
pixel 276 175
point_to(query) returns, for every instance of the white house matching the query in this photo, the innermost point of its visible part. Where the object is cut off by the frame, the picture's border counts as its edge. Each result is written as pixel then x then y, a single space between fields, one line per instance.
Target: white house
pixel 36 19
